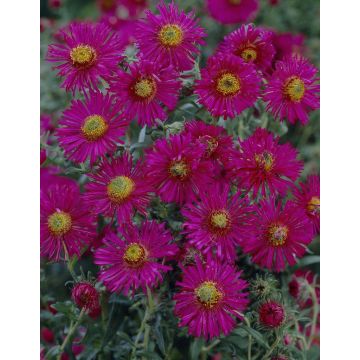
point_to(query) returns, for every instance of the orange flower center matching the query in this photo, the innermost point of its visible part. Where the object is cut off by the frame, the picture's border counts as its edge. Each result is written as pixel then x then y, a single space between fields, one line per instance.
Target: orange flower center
pixel 120 188
pixel 228 84
pixel 134 255
pixel 294 89
pixel 171 35
pixel 208 294
pixel 94 127
pixel 249 54
pixel 59 223
pixel 83 56
pixel 265 161
pixel 277 234
pixel 313 205
pixel 235 2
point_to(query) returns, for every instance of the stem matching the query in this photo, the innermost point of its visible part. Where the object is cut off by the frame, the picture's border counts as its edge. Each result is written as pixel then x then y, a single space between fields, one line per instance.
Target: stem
pixel 273 346
pixel 315 315
pixel 206 349
pixel 68 263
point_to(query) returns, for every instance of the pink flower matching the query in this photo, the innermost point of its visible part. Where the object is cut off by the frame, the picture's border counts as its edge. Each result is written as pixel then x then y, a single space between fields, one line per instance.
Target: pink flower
pixel 293 91
pixel 90 129
pixel 46 124
pixel 287 44
pixel 51 175
pixel 135 260
pixel 228 85
pixel 85 296
pixel 170 37
pixel 145 90
pixel 209 298
pixel 271 314
pixel 47 335
pixel 133 8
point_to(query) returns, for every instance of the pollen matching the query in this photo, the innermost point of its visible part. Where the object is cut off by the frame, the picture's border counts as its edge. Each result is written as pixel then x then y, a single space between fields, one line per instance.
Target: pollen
pixel 145 88
pixel 249 54
pixel 313 206
pixel 59 223
pixel 179 169
pixel 211 144
pixel 277 234
pixel 294 89
pixel 83 56
pixel 134 255
pixel 220 219
pixel 265 161
pixel 228 84
pixel 120 188
pixel 208 294
pixel 171 35
pixel 94 127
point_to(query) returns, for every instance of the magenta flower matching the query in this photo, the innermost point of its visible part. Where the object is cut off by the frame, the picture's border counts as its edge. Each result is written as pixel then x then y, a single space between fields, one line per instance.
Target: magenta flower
pixel 46 124
pixel 293 90
pixel 264 164
pixel 135 260
pixel 91 128
pixel 271 314
pixel 228 85
pixel 288 44
pixel 51 175
pixel 308 198
pixel 233 11
pixel 176 168
pixel 119 188
pixel 145 90
pixel 85 296
pixel 170 37
pixel 88 53
pixel 65 222
pixel 216 222
pixel 252 44
pixel 210 296
pixel 133 8
pixel 277 233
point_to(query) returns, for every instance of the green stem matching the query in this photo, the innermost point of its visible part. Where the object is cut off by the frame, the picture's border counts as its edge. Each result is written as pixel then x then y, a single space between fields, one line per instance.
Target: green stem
pixel 69 263
pixel 315 315
pixel 273 346
pixel 206 349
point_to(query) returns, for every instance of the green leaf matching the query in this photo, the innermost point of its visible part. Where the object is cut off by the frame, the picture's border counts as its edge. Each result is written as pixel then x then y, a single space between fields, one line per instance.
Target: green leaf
pixel 255 334
pixel 67 308
pixel 115 319
pixel 195 348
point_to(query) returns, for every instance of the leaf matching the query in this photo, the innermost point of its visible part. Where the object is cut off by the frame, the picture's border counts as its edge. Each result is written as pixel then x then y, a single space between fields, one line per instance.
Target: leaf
pixel 115 319
pixel 255 334
pixel 67 308
pixel 142 134
pixel 158 335
pixel 195 348
pixel 308 260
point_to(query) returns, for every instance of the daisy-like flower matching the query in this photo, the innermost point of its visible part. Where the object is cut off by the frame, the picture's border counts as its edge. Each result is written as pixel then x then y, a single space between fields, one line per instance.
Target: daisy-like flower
pixel 134 261
pixel 119 188
pixel 293 90
pixel 277 233
pixel 66 224
pixel 287 44
pixel 170 37
pixel 308 198
pixel 264 164
pixel 211 294
pixel 233 11
pixel 177 169
pixel 88 53
pixel 228 85
pixel 132 8
pixel 252 44
pixel 91 128
pixel 271 314
pixel 145 89
pixel 216 222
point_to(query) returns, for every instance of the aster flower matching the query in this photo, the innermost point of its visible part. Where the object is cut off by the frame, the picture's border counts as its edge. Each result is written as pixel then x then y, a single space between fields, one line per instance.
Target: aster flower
pixel 88 53
pixel 252 44
pixel 119 188
pixel 51 175
pixel 263 164
pixel 228 85
pixel 233 11
pixel 176 168
pixel 211 294
pixel 170 37
pixel 271 314
pixel 277 234
pixel 134 261
pixel 46 124
pixel 308 198
pixel 132 8
pixel 287 44
pixel 216 222
pixel 91 128
pixel 293 91
pixel 144 91
pixel 65 222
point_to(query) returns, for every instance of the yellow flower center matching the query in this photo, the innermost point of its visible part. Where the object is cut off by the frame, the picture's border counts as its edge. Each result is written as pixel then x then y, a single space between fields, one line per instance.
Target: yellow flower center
pixel 94 127
pixel 179 169
pixel 228 84
pixel 83 55
pixel 59 223
pixel 294 89
pixel 145 88
pixel 208 294
pixel 220 219
pixel 265 160
pixel 313 205
pixel 120 188
pixel 234 2
pixel 171 35
pixel 277 234
pixel 248 54
pixel 134 255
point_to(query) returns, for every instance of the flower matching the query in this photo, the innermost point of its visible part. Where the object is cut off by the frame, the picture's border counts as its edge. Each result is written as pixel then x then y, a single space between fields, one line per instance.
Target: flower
pixel 287 44
pixel 133 8
pixel 264 164
pixel 47 335
pixel 216 222
pixel 42 156
pixel 210 295
pixel 233 11
pixel 228 85
pixel 65 222
pixel 271 314
pixel 46 124
pixel 86 296
pixel 252 44
pixel 91 128
pixel 170 37
pixel 144 91
pixel 293 91
pixel 135 260
pixel 119 188
pixel 176 168
pixel 277 233
pixel 51 175
pixel 88 53
pixel 308 198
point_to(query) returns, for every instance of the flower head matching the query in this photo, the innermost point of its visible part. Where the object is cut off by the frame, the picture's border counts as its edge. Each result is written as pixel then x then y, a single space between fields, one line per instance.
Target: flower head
pixel 271 314
pixel 85 296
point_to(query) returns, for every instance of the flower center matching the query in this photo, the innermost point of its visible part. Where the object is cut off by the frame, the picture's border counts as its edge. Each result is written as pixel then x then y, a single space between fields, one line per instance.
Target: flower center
pixel 249 54
pixel 59 223
pixel 294 89
pixel 120 188
pixel 265 160
pixel 210 142
pixel 228 84
pixel 171 35
pixel 83 55
pixel 145 88
pixel 313 205
pixel 94 127
pixel 179 169
pixel 208 294
pixel 234 2
pixel 220 219
pixel 278 234
pixel 134 255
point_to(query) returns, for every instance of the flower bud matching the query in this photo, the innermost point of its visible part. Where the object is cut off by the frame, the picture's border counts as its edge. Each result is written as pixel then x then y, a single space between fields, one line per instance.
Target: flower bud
pixel 47 335
pixel 85 296
pixel 271 314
